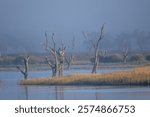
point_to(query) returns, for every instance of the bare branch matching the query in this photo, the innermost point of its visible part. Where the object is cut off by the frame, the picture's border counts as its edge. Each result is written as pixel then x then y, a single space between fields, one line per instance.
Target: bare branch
pixel 48 61
pixel 73 42
pixel 20 70
pixel 87 37
pixel 52 50
pixel 101 36
pixel 46 42
pixel 96 58
pixel 25 71
pixel 125 54
pixel 58 56
pixel 54 43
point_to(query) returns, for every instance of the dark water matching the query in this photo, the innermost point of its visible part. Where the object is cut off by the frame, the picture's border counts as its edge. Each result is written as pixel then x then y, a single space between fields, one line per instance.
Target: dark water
pixel 10 89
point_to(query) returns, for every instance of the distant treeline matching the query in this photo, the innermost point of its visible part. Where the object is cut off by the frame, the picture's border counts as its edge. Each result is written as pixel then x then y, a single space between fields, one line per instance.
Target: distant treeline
pixel 18 59
pixel 117 57
pixel 37 59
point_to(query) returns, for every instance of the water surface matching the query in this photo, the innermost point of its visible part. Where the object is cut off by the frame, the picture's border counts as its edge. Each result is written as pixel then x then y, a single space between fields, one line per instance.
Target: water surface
pixel 10 89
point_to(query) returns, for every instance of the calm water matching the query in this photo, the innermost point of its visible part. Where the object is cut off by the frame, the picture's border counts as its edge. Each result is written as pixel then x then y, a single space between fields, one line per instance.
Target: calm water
pixel 10 89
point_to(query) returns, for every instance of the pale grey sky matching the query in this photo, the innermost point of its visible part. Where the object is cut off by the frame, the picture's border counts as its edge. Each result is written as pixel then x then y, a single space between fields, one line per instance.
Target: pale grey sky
pixel 25 21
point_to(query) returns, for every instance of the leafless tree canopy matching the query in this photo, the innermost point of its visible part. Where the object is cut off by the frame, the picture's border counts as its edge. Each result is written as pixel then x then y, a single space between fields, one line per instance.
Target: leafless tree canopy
pixel 57 65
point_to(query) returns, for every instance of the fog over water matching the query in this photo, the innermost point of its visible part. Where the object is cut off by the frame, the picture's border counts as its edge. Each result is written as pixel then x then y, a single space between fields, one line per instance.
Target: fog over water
pixel 23 23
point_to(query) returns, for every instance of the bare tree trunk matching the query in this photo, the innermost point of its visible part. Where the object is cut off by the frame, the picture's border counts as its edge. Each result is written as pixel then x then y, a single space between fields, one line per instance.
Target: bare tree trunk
pixel 54 71
pixel 61 70
pixel 58 65
pixel 125 55
pixel 52 50
pixel 52 66
pixel 26 66
pixel 96 61
pixel 61 54
pixel 96 48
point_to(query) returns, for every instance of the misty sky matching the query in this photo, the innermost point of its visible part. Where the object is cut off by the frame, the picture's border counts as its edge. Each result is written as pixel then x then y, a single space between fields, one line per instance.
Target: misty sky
pixel 23 22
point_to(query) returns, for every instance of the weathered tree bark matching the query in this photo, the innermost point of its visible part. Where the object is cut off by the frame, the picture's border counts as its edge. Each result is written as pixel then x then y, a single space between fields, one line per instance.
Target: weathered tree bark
pixel 96 61
pixel 61 54
pixel 25 71
pixel 125 55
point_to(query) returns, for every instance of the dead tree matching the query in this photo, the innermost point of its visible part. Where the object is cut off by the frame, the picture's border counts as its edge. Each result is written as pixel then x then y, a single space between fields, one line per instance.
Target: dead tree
pixel 125 53
pixel 104 53
pixel 70 58
pixel 69 61
pixel 26 67
pixel 52 50
pixel 53 67
pixel 61 56
pixel 96 48
pixel 58 64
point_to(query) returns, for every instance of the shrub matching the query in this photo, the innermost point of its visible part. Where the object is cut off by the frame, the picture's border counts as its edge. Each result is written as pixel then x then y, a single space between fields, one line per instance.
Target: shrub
pixel 110 58
pixel 136 57
pixel 147 57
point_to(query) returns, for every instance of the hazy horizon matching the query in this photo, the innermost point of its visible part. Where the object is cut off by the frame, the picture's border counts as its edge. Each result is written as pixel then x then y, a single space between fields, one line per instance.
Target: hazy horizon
pixel 24 22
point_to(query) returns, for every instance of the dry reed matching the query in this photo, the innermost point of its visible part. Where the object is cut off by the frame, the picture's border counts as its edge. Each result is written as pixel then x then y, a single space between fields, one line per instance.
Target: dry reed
pixel 137 76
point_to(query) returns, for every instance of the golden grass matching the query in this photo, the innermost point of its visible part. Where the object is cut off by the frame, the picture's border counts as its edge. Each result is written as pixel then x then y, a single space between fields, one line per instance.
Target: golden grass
pixel 137 76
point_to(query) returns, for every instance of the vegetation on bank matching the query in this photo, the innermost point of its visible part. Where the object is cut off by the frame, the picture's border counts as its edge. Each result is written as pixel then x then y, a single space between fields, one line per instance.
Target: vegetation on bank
pixel 39 59
pixel 137 76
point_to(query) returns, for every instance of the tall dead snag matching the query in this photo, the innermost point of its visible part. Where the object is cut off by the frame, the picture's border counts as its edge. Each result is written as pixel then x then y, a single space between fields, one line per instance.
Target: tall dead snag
pixel 96 48
pixel 69 59
pixel 61 56
pixel 58 64
pixel 52 50
pixel 125 53
pixel 26 67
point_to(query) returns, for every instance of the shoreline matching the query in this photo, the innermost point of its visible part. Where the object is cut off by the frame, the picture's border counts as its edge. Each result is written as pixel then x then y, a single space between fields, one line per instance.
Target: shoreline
pixel 136 77
pixel 75 66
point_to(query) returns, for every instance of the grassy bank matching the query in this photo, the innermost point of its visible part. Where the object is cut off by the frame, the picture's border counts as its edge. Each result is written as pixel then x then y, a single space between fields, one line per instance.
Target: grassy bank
pixel 137 76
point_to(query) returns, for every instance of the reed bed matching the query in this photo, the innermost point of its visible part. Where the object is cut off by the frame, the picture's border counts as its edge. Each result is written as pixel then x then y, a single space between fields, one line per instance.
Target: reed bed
pixel 137 76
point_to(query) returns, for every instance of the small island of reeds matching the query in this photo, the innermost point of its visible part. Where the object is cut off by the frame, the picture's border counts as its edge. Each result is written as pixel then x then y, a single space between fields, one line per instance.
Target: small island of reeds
pixel 137 76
